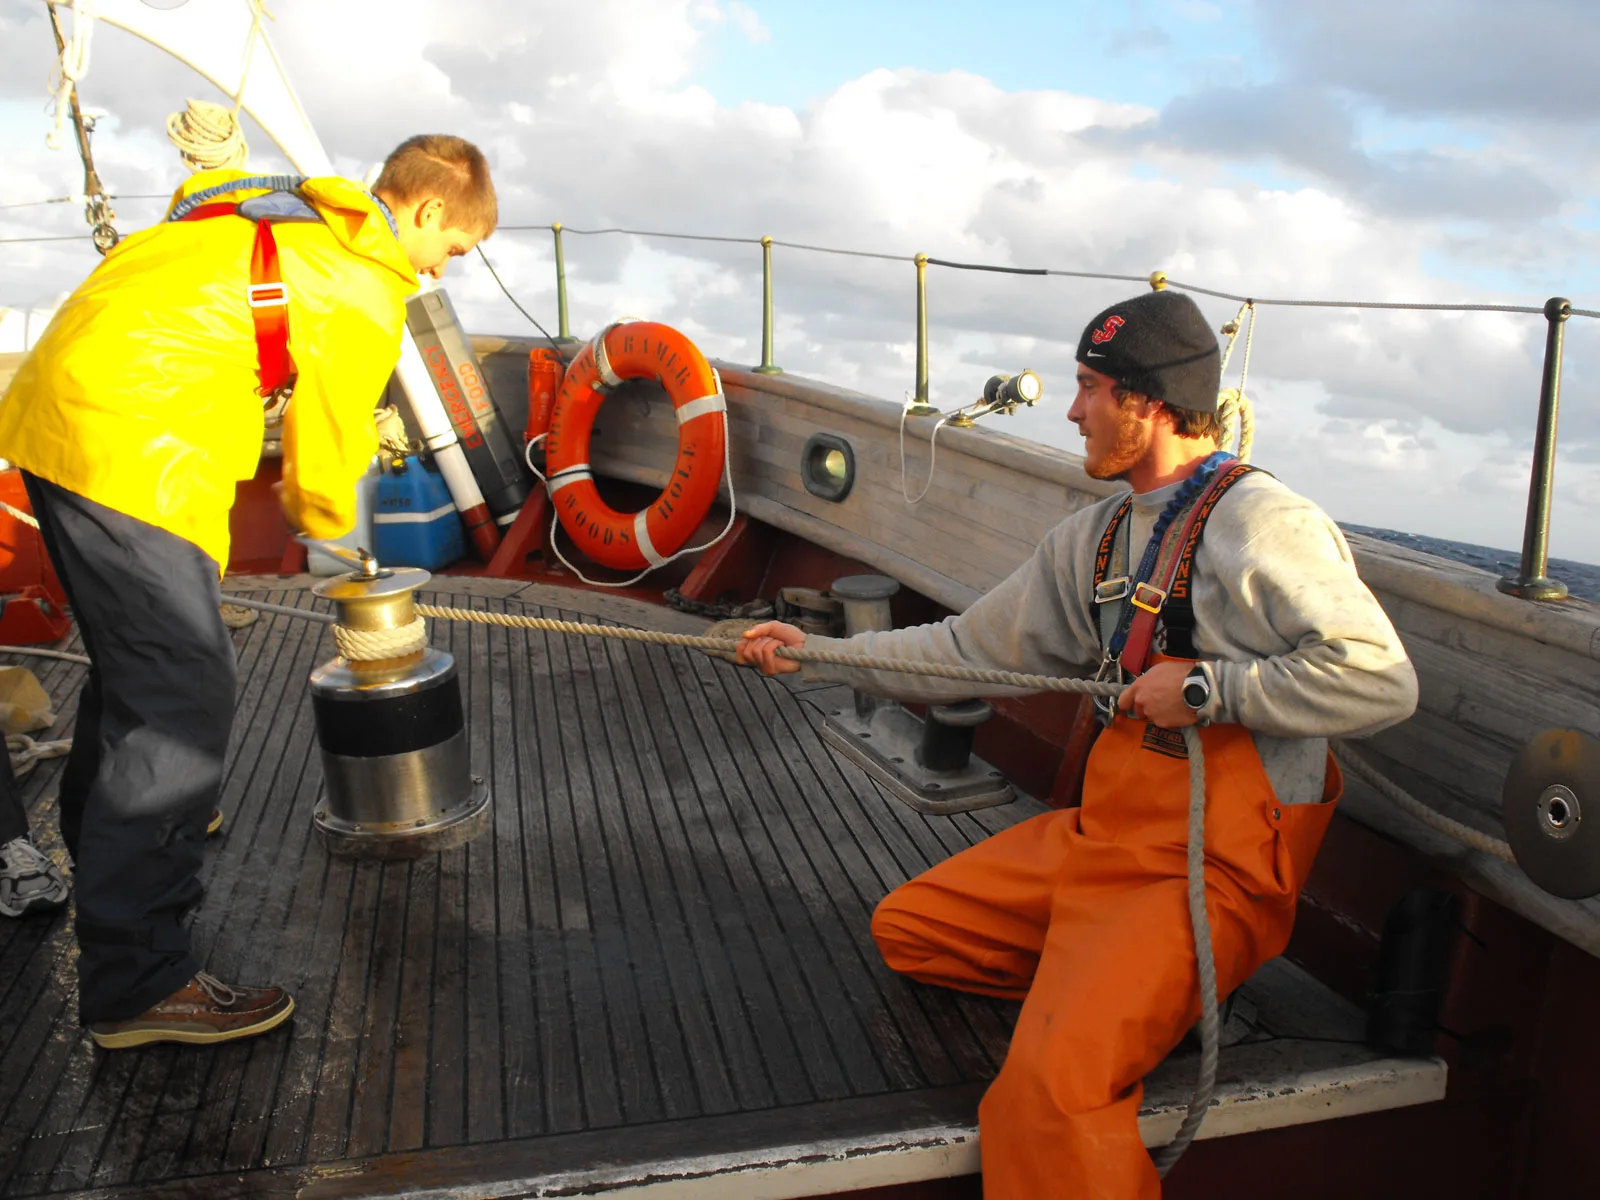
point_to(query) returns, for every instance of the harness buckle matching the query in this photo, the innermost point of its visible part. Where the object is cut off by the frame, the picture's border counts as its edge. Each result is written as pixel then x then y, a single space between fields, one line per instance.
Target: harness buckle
pixel 267 295
pixel 275 404
pixel 1112 589
pixel 1110 671
pixel 1148 597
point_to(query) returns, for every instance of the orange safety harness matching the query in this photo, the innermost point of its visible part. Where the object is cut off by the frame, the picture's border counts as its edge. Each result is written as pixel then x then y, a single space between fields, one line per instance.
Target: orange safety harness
pixel 267 295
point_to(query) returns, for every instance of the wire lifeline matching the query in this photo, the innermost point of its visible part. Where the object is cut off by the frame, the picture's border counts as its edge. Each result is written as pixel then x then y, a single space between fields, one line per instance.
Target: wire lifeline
pixel 1054 271
pixel 685 237
pixel 1378 305
pixel 77 199
pixel 512 298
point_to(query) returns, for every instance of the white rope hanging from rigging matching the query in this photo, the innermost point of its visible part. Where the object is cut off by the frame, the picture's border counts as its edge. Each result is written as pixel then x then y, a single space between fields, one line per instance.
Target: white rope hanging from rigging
pixel 208 135
pixel 1233 405
pixel 71 66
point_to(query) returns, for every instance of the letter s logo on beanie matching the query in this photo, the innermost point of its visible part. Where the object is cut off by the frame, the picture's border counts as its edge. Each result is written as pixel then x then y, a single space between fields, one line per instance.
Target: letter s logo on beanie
pixel 1107 331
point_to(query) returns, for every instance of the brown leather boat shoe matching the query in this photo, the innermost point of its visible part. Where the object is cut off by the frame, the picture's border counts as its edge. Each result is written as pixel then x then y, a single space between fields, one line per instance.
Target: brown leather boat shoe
pixel 203 1011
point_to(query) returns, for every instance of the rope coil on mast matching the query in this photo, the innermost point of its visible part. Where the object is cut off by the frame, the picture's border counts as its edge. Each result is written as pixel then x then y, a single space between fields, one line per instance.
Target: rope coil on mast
pixel 208 135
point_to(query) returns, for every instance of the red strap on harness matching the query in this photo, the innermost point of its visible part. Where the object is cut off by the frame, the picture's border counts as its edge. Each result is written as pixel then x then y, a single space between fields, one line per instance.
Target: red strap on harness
pixel 1136 651
pixel 269 307
pixel 268 299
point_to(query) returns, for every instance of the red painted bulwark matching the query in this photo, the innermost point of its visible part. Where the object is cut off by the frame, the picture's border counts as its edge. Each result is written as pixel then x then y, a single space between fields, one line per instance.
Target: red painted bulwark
pixel 525 538
pixel 736 566
pixel 34 605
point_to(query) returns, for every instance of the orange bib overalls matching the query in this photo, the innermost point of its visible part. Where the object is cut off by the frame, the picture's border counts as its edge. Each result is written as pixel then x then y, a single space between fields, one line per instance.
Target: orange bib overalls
pixel 1083 915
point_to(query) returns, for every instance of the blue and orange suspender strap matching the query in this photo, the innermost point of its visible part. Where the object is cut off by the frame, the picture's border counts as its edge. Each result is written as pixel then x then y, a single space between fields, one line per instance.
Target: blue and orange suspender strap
pixel 1129 642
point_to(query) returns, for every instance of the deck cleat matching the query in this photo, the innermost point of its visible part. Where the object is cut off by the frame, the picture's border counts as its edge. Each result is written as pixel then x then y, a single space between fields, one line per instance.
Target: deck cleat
pixel 390 726
pixel 1551 808
pixel 928 763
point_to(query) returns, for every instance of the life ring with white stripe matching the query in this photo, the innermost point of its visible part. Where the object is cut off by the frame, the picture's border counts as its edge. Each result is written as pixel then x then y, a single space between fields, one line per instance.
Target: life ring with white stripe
pixel 647 538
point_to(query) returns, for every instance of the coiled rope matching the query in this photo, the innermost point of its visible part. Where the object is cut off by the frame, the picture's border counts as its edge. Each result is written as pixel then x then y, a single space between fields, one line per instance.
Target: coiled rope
pixel 208 135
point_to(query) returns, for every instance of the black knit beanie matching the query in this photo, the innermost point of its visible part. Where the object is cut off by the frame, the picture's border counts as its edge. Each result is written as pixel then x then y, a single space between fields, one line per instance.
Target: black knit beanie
pixel 1157 344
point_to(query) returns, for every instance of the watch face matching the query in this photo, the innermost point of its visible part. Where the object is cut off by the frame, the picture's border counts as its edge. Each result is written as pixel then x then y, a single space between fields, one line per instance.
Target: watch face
pixel 1196 693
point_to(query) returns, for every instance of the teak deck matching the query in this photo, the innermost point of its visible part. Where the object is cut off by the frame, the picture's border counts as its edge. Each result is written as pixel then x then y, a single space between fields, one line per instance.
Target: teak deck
pixel 655 970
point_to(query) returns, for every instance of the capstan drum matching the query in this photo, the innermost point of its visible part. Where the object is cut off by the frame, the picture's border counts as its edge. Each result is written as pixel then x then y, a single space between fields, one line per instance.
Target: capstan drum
pixel 398 783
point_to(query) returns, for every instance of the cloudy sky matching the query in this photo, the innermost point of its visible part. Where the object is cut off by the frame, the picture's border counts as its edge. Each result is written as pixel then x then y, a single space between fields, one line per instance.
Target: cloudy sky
pixel 1437 151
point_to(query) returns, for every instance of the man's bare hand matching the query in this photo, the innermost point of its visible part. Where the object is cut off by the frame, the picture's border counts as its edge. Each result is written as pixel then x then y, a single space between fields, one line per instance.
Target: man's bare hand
pixel 761 644
pixel 1157 696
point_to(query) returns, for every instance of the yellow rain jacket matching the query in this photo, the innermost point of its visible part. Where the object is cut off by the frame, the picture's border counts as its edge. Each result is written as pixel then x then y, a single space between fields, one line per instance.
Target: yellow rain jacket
pixel 141 395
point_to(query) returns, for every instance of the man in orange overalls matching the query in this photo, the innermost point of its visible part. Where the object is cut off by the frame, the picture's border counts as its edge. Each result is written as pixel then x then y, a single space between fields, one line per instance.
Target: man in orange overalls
pixel 1261 632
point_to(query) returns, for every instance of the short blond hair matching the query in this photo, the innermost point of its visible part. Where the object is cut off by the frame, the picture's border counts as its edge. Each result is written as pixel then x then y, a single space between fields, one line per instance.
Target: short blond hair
pixel 449 167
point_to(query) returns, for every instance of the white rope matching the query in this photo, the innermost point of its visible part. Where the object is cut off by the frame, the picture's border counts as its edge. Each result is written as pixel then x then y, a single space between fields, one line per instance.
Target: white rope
pixel 1249 340
pixel 258 9
pixel 37 652
pixel 1428 815
pixel 376 645
pixel 27 519
pixel 26 753
pixel 1234 408
pixel 933 457
pixel 71 66
pixel 208 136
pixel 1205 962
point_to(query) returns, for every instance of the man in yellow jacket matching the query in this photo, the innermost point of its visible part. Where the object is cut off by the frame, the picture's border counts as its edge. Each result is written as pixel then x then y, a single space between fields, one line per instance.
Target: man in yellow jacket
pixel 132 420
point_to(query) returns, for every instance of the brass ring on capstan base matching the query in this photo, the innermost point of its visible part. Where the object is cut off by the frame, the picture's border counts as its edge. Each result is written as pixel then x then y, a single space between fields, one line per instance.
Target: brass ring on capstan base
pixel 389 841
pixel 1551 809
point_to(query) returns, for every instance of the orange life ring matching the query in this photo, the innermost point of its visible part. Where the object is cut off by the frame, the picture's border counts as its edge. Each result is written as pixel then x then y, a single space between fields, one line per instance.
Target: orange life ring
pixel 647 538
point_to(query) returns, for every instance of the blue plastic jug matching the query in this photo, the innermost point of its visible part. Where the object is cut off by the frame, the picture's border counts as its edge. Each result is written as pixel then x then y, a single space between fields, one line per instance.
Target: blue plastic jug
pixel 415 523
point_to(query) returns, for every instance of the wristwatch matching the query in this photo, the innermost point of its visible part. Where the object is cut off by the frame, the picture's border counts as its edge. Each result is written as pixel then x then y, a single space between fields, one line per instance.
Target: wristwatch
pixel 1197 688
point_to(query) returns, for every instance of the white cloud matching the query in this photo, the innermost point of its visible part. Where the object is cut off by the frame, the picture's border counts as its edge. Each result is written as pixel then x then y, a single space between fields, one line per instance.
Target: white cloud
pixel 747 22
pixel 592 116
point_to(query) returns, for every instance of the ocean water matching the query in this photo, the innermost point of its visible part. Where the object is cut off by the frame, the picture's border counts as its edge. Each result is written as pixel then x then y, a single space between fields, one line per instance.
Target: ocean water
pixel 1582 579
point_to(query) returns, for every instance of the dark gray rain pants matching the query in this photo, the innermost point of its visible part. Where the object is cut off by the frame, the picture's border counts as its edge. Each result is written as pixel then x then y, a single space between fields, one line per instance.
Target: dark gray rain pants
pixel 148 748
pixel 13 817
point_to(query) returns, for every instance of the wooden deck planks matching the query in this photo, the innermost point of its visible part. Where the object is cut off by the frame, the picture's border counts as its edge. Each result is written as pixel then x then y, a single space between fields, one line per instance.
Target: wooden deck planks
pixel 667 921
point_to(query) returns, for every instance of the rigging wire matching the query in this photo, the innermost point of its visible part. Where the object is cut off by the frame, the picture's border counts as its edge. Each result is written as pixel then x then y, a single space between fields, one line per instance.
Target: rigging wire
pixel 510 297
pixel 992 268
pixel 78 199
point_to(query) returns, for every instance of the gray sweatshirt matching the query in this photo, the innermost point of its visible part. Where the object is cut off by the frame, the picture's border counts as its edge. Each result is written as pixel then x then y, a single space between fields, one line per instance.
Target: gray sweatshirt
pixel 1298 650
